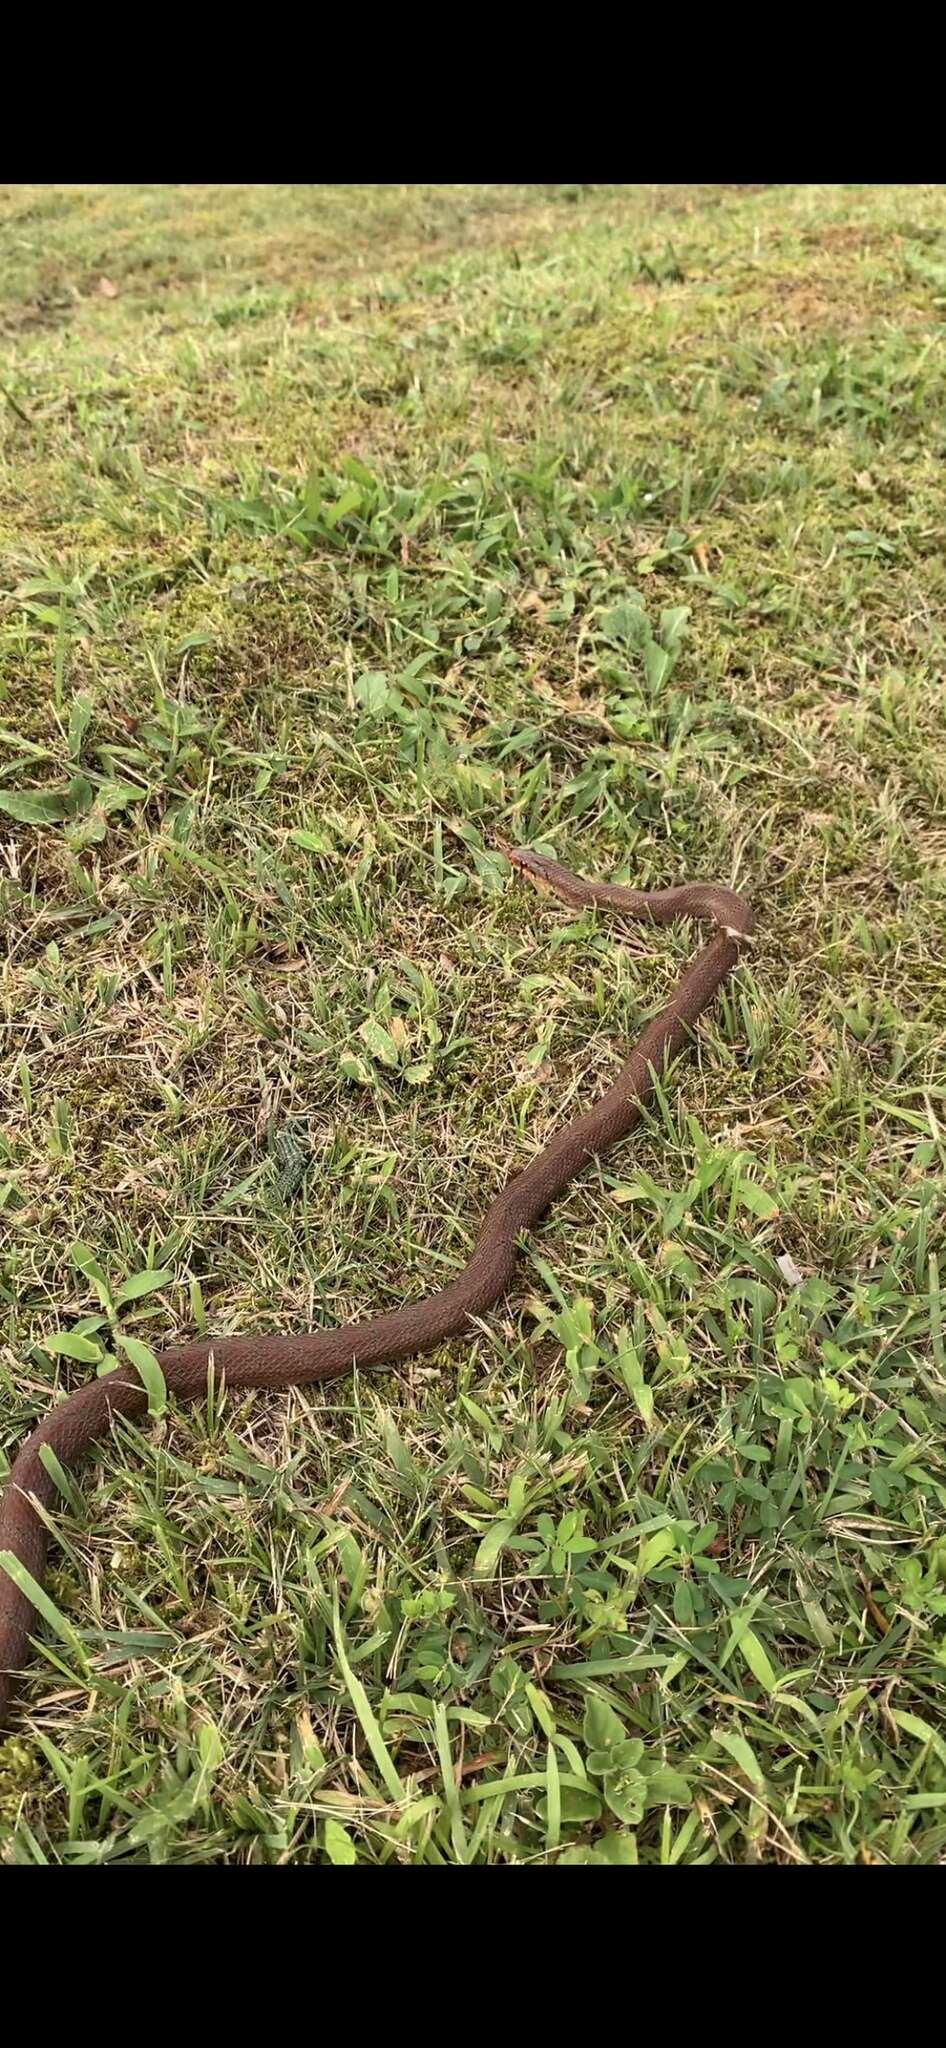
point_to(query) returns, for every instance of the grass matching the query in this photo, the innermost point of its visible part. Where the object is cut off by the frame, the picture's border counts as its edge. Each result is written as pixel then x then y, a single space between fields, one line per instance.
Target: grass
pixel 344 534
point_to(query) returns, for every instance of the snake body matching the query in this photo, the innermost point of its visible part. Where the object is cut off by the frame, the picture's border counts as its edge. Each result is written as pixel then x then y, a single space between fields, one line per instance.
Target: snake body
pixel 85 1416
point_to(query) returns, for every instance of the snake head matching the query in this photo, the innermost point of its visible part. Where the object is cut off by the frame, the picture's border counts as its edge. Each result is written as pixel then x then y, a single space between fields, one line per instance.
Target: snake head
pixel 547 874
pixel 536 865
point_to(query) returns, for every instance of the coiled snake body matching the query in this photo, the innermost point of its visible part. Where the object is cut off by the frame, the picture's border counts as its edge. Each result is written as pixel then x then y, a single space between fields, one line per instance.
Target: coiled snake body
pixel 419 1326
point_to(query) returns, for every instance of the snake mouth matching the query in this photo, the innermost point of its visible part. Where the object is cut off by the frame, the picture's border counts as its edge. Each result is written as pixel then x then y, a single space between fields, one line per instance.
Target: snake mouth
pixel 525 862
pixel 549 877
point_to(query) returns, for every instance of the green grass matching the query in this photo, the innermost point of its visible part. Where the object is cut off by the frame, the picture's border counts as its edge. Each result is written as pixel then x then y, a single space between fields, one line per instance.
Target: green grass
pixel 343 535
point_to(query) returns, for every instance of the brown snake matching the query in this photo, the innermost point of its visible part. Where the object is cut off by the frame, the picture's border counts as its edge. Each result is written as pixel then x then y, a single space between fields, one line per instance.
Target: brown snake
pixel 322 1354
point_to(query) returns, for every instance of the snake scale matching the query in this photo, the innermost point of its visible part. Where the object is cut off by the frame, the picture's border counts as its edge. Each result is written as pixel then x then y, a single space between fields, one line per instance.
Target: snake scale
pixel 286 1361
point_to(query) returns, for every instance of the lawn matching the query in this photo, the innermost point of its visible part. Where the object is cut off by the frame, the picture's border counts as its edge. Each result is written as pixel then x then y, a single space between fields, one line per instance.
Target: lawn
pixel 346 535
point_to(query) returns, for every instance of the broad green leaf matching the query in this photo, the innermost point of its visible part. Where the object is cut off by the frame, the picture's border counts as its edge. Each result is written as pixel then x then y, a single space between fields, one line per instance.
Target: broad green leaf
pixel 116 796
pixel 913 1725
pixel 61 1479
pixel 667 1787
pixel 516 1497
pixel 626 621
pixel 209 1746
pixel 79 796
pixel 26 1584
pixel 626 1792
pixel 618 1756
pixel 66 1344
pixel 339 1847
pixel 144 1283
pixel 353 466
pixel 657 666
pixel 617 1847
pixel 756 1656
pixel 741 1753
pixel 87 1264
pixel 312 842
pixel 656 1548
pixel 643 1398
pixel 750 1196
pixel 146 1364
pixel 34 806
pixel 673 625
pixel 816 1617
pixel 578 1803
pixel 355 1069
pixel 348 502
pixel 541 1709
pixel 494 1541
pixel 373 692
pixel 602 1730
pixel 574 1327
pixel 88 831
pixel 80 716
pixel 379 1042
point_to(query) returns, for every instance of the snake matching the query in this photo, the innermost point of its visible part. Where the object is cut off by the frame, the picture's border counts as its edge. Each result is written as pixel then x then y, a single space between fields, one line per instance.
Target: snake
pixel 85 1416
